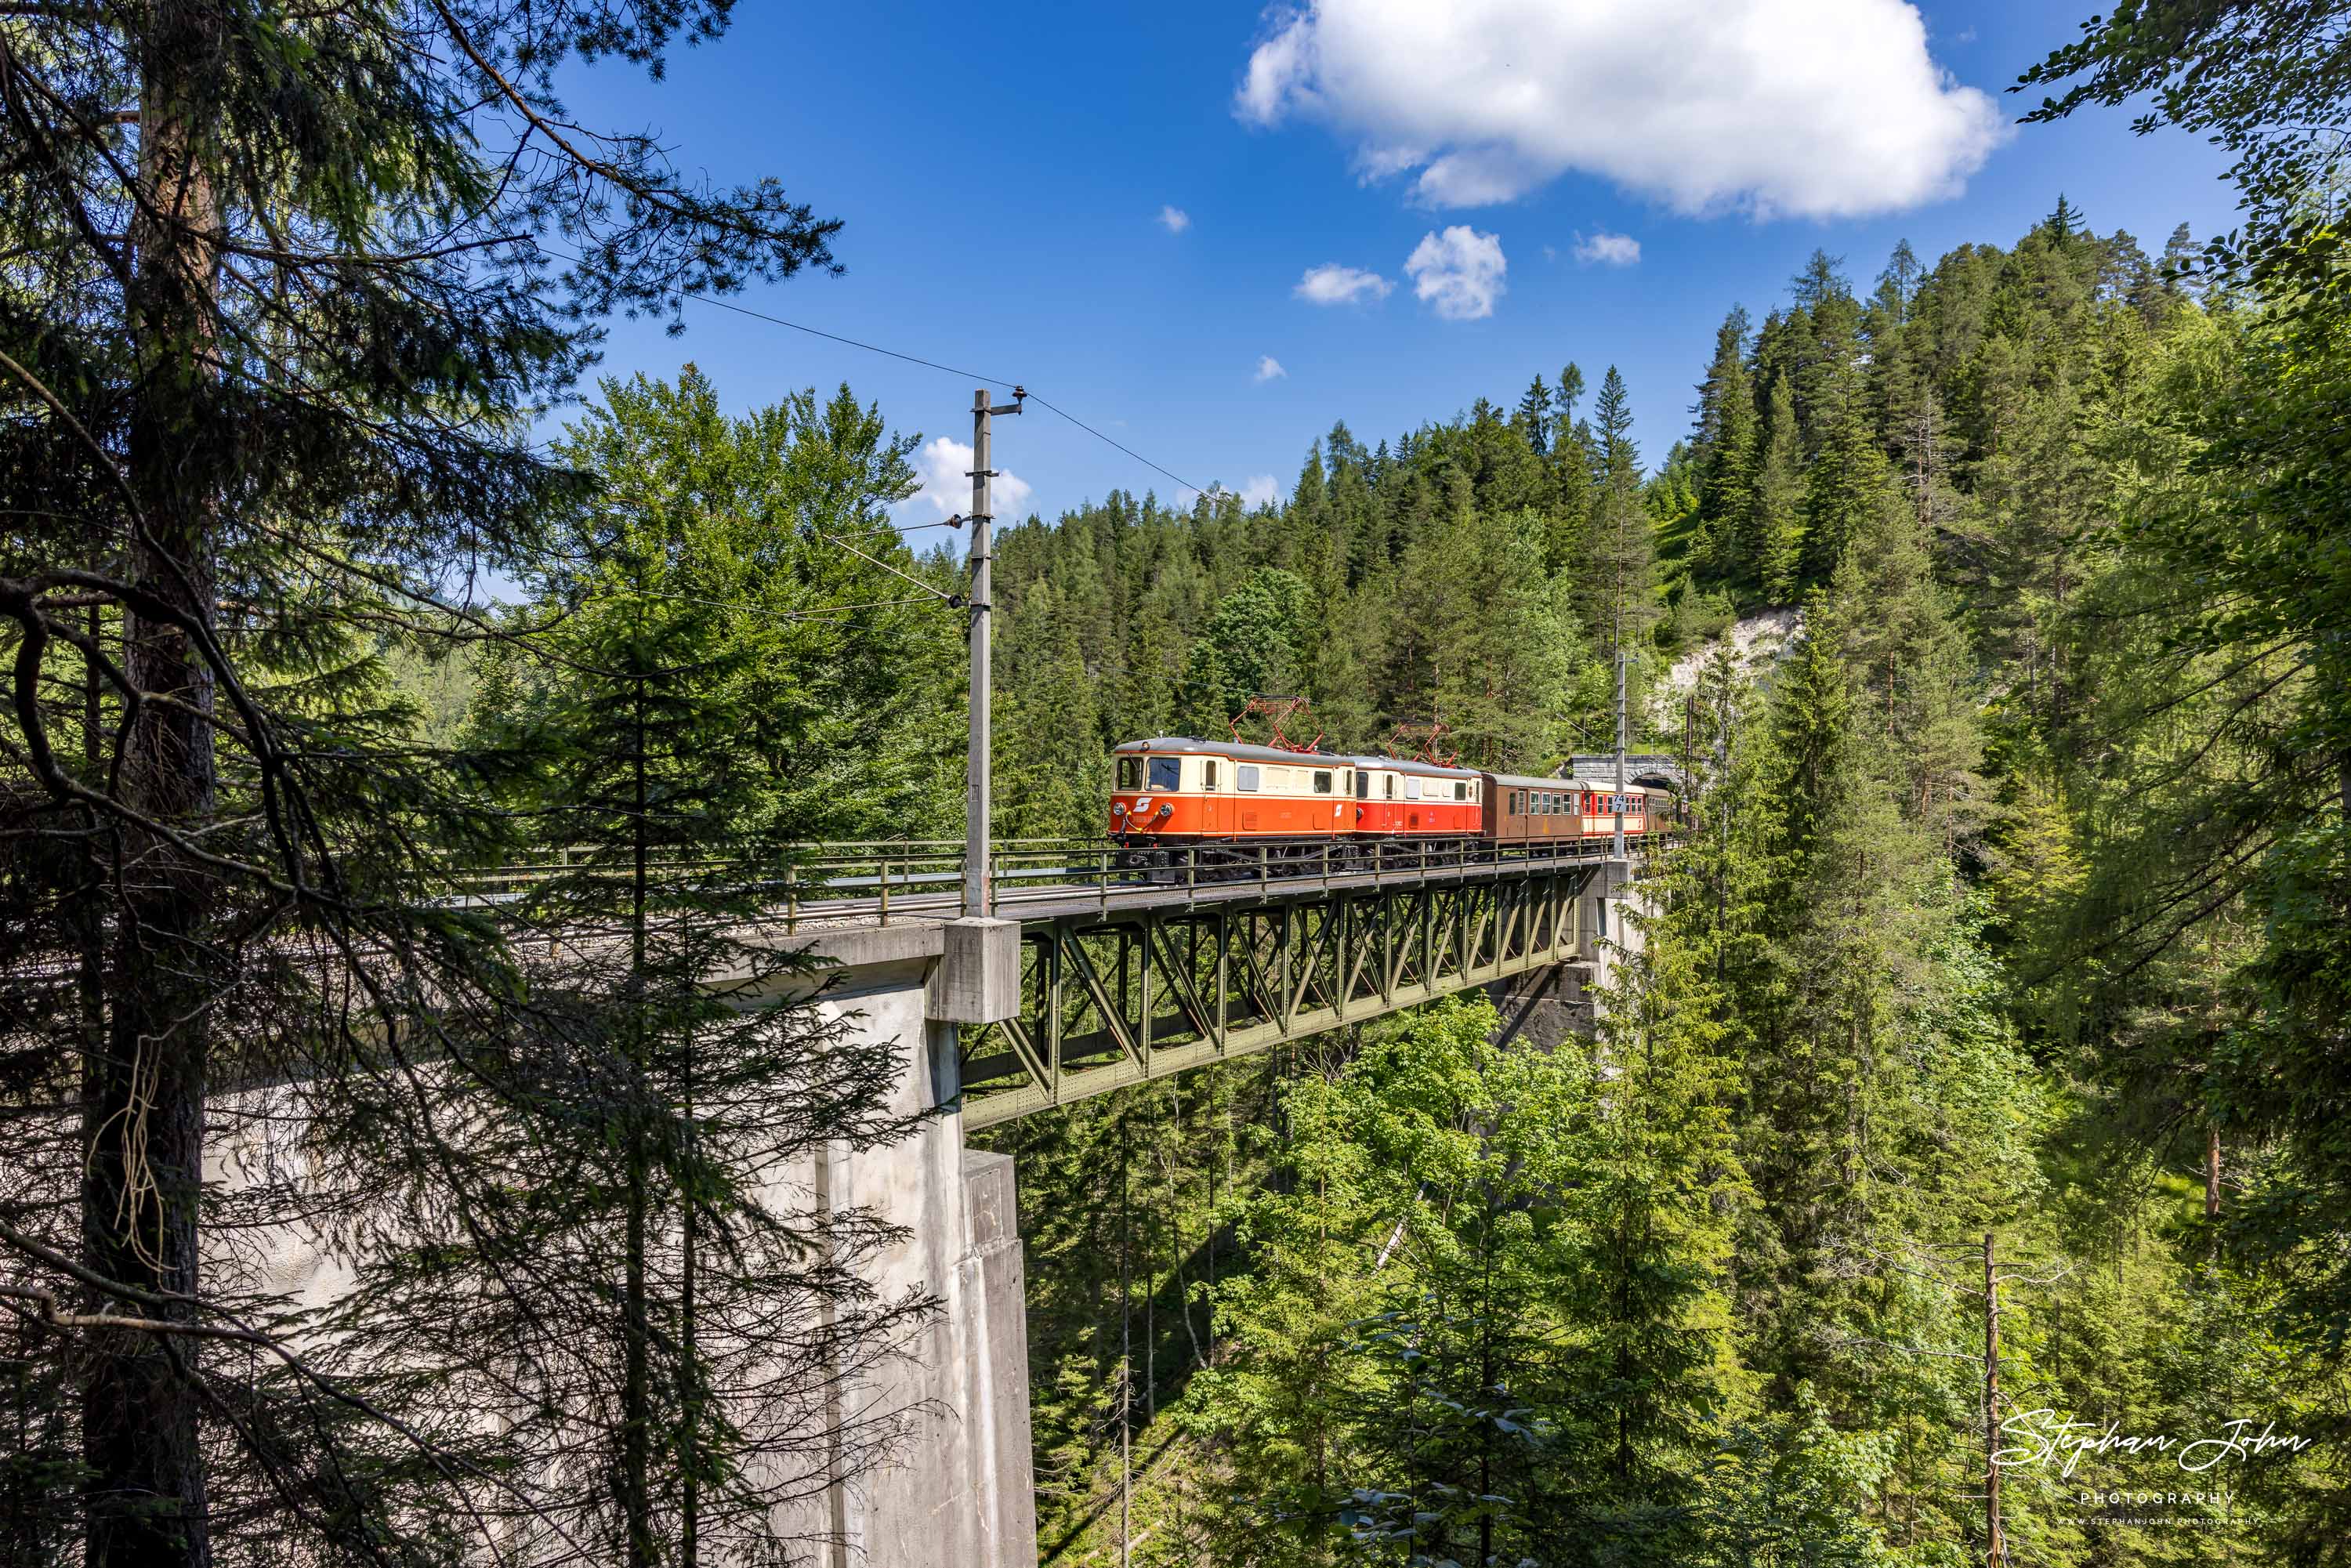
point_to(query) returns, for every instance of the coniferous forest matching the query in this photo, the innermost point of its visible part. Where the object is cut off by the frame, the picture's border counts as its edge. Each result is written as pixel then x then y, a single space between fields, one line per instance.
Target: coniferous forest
pixel 1997 603
pixel 2013 905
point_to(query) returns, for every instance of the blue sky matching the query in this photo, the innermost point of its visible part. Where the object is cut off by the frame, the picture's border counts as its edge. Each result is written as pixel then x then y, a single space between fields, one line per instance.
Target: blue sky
pixel 1002 176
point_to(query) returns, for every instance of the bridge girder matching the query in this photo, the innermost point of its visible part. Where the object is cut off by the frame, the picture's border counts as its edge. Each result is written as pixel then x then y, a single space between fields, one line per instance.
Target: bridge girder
pixel 1118 997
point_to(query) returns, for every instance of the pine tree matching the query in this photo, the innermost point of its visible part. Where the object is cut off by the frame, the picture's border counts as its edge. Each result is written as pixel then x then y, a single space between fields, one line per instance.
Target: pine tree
pixel 1569 392
pixel 1775 528
pixel 1649 1303
pixel 1622 590
pixel 643 1224
pixel 1532 419
pixel 2063 223
pixel 277 327
pixel 1726 454
pixel 1844 488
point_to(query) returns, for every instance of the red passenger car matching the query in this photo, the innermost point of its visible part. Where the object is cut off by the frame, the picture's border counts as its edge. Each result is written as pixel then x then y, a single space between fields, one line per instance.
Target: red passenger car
pixel 1400 796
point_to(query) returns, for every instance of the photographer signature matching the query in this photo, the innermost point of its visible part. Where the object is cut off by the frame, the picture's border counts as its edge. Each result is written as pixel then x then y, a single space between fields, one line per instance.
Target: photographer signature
pixel 2047 1439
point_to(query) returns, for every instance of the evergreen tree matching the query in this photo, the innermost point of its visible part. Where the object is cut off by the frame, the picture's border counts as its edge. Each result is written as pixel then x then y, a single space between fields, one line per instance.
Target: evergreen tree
pixel 1623 589
pixel 1775 527
pixel 625 1286
pixel 1847 484
pixel 1532 419
pixel 276 326
pixel 1726 454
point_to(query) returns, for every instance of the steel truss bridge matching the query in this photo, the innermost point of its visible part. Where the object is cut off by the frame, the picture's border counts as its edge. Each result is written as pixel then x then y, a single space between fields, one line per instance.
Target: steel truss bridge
pixel 1129 975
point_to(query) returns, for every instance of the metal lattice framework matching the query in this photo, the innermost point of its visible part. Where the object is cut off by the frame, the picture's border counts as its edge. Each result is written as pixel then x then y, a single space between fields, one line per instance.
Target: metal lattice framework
pixel 1114 997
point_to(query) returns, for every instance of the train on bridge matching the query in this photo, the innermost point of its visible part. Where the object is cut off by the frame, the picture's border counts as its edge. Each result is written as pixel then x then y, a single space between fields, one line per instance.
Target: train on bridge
pixel 1177 794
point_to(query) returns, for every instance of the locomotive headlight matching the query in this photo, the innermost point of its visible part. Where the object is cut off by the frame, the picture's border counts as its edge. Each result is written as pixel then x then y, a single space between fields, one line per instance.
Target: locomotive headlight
pixel 1118 808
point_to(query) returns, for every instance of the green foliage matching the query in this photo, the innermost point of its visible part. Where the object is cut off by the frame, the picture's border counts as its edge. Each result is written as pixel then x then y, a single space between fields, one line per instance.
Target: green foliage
pixel 1480 1318
pixel 1456 577
pixel 840 683
pixel 289 291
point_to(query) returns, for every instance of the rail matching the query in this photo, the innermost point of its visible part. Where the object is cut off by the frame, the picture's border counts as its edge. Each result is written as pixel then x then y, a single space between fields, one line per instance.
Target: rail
pixel 882 880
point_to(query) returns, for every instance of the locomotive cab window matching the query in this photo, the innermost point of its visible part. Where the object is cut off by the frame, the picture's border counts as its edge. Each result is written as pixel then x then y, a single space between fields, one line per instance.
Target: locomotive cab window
pixel 1245 777
pixel 1321 781
pixel 1208 775
pixel 1390 781
pixel 1165 771
pixel 1130 773
pixel 1461 788
pixel 1362 785
pixel 1412 789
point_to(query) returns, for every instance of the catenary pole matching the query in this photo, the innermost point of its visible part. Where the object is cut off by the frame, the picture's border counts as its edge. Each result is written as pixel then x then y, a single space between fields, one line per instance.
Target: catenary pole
pixel 977 894
pixel 1620 752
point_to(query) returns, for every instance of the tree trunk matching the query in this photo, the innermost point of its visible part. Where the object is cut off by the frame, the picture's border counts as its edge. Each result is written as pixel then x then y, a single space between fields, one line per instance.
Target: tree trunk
pixel 144 1088
pixel 636 1328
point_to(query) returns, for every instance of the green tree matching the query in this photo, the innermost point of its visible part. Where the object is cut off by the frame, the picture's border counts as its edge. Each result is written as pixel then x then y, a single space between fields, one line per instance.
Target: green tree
pixel 1775 523
pixel 625 1291
pixel 1622 582
pixel 1726 453
pixel 781 522
pixel 1532 419
pixel 1249 646
pixel 278 323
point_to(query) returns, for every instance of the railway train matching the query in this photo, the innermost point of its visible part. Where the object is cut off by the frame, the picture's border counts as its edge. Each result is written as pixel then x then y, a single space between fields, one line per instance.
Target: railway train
pixel 1176 794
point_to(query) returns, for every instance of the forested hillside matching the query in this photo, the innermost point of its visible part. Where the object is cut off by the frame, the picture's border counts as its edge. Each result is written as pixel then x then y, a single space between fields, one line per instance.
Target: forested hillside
pixel 1472 572
pixel 2012 907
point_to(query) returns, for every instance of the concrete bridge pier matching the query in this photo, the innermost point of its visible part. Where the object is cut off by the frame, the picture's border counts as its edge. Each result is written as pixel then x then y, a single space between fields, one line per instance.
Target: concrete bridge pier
pixel 962 1491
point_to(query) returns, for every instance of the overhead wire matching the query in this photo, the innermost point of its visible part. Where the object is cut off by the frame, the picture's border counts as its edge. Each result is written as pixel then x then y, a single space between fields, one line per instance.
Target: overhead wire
pixel 934 593
pixel 749 608
pixel 933 365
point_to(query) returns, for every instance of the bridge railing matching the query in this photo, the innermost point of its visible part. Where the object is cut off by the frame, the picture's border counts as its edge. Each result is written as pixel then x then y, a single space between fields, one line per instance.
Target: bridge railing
pixel 882 880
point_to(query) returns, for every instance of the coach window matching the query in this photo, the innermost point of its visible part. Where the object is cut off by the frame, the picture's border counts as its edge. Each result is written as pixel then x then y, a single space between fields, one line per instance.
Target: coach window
pixel 1208 775
pixel 1245 777
pixel 1412 789
pixel 1130 773
pixel 1165 771
pixel 1321 781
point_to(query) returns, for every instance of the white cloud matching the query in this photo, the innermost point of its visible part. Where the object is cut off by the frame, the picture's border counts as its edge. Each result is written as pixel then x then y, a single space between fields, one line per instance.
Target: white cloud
pixel 1458 271
pixel 1174 220
pixel 1802 108
pixel 1609 250
pixel 1268 368
pixel 946 467
pixel 1261 490
pixel 1331 284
